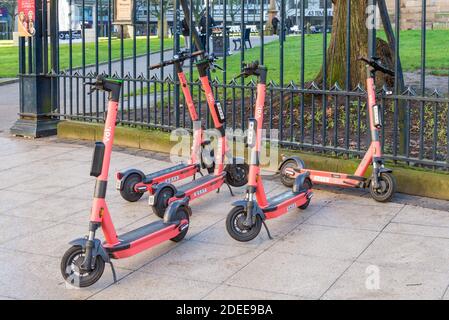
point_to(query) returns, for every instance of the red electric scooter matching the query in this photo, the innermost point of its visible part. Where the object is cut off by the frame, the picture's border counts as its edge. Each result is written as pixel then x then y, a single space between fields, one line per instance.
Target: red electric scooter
pixel 166 195
pixel 382 183
pixel 83 263
pixel 133 183
pixel 245 220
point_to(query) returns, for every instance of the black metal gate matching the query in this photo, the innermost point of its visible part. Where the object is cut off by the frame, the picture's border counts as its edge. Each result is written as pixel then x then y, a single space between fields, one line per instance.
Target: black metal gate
pixel 311 116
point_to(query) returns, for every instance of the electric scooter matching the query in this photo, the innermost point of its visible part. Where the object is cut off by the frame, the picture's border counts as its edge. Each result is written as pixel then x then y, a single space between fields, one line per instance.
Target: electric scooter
pixel 133 183
pixel 382 184
pixel 245 220
pixel 234 174
pixel 83 263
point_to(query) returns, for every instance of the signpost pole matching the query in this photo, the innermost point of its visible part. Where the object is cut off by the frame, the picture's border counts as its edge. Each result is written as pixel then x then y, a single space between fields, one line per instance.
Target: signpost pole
pixel 35 116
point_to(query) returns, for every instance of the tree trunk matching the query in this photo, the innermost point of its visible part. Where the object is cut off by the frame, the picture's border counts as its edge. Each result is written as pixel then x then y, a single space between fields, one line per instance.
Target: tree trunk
pixel 159 28
pixel 336 53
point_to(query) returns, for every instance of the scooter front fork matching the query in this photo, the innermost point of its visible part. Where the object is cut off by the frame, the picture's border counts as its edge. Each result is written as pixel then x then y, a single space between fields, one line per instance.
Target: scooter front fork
pixel 377 165
pixel 87 263
pixel 249 221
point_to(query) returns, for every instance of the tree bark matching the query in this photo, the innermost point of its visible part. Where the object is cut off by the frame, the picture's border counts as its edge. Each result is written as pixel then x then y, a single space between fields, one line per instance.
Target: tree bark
pixel 336 53
pixel 159 28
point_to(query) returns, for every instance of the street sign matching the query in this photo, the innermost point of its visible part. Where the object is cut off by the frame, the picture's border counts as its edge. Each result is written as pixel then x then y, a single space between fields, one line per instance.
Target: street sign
pixel 27 15
pixel 124 12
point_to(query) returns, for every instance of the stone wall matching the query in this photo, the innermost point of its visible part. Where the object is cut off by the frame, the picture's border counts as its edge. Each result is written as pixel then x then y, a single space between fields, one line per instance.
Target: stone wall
pixel 437 13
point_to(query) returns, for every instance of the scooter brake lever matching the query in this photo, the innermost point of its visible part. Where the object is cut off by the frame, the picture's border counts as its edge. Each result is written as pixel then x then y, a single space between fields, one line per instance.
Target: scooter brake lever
pixel 92 90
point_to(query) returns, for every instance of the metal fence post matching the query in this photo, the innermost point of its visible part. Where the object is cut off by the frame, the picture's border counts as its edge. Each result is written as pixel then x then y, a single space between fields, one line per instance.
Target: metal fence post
pixel 176 48
pixel 35 118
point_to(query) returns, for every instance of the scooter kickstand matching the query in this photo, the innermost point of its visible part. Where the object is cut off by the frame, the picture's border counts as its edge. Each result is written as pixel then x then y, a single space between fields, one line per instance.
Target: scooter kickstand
pixel 268 231
pixel 114 275
pixel 230 190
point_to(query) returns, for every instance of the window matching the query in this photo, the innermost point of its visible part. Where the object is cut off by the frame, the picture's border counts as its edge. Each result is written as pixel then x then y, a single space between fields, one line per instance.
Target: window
pixel 329 4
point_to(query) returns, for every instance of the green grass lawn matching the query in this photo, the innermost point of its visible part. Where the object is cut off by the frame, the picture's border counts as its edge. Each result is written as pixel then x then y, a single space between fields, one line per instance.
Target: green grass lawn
pixel 437 59
pixel 437 55
pixel 9 66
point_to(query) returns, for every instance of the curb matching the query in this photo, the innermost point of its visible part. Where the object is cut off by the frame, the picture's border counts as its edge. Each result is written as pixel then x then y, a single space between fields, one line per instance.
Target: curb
pixel 412 181
pixel 4 83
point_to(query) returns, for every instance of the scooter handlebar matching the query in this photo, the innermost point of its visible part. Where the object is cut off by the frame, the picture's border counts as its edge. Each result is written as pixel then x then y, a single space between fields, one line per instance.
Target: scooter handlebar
pixel 249 69
pixel 376 64
pixel 180 58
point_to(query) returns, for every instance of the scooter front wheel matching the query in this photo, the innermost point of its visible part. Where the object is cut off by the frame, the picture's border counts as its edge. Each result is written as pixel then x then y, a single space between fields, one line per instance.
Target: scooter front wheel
pixel 181 214
pixel 71 268
pixel 128 191
pixel 386 189
pixel 236 228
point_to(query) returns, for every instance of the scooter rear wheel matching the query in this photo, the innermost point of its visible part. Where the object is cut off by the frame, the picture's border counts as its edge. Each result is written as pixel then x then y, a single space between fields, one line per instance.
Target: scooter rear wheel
pixel 128 192
pixel 181 213
pixel 308 185
pixel 162 201
pixel 287 180
pixel 237 230
pixel 387 188
pixel 237 174
pixel 71 268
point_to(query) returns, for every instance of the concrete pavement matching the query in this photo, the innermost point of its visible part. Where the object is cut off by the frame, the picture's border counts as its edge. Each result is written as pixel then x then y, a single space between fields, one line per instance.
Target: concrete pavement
pixel 344 246
pixel 330 251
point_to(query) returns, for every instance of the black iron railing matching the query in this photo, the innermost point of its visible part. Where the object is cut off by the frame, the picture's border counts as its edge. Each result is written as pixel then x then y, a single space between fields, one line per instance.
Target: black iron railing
pixel 312 116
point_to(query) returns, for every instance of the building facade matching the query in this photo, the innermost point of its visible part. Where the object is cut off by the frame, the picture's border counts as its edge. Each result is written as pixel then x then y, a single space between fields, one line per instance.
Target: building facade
pixel 5 24
pixel 411 12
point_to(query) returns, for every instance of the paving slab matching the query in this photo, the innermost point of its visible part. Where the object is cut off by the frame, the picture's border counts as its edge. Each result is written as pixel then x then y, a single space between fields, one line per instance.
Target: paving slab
pixel 353 216
pixel 227 292
pixel 17 227
pixel 408 252
pixel 326 242
pixel 33 276
pixel 204 262
pixel 319 253
pixel 55 209
pixel 422 216
pixel 417 229
pixel 303 276
pixel 12 199
pixel 393 284
pixel 144 286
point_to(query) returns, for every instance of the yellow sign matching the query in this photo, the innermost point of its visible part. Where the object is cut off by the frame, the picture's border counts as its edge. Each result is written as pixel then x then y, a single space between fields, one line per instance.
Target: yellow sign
pixel 124 11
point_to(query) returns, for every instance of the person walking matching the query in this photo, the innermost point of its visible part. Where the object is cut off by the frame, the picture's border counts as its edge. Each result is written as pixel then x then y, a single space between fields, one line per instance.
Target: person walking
pixel 206 24
pixel 275 24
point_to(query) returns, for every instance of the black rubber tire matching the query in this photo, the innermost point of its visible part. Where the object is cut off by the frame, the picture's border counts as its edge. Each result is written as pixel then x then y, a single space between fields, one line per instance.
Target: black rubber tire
pixel 388 188
pixel 161 202
pixel 235 228
pixel 237 175
pixel 127 191
pixel 181 213
pixel 72 260
pixel 307 184
pixel 285 179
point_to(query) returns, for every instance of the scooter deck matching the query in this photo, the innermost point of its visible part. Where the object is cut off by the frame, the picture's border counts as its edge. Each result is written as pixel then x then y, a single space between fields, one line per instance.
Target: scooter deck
pixel 199 183
pixel 334 178
pixel 145 237
pixel 278 199
pixel 149 178
pixel 144 230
